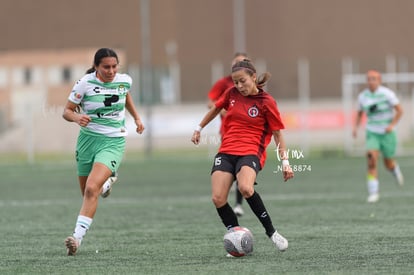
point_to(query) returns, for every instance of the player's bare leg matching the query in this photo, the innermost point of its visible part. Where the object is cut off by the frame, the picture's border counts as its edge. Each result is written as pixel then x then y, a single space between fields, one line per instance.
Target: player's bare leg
pixel 394 168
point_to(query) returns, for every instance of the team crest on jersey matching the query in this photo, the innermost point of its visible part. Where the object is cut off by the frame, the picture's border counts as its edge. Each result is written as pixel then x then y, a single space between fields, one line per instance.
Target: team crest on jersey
pixel 253 111
pixel 121 88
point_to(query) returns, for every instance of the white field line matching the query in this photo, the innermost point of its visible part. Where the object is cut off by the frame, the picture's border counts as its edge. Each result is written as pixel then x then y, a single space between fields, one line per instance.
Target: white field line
pixel 196 199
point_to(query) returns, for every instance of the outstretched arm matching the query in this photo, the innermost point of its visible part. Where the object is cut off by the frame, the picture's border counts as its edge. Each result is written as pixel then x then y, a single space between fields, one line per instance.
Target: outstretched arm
pixel 206 120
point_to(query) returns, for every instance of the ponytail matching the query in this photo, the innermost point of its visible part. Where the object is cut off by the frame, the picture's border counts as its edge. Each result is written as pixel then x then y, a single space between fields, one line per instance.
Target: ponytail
pixel 262 80
pixel 91 70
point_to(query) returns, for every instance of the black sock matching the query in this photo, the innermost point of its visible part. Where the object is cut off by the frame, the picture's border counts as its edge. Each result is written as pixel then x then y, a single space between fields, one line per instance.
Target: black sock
pixel 256 204
pixel 227 216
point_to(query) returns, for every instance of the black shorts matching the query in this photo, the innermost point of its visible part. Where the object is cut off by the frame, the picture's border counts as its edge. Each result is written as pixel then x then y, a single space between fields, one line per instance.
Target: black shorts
pixel 233 164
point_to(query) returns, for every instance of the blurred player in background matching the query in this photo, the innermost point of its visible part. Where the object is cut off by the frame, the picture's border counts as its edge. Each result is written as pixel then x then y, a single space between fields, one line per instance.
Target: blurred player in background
pixel 252 119
pixel 97 103
pixel 219 87
pixel 383 111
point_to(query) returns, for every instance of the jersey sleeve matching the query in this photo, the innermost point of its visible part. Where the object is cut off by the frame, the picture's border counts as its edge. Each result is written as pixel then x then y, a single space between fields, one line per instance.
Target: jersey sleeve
pixel 223 101
pixel 78 91
pixel 273 115
pixel 393 99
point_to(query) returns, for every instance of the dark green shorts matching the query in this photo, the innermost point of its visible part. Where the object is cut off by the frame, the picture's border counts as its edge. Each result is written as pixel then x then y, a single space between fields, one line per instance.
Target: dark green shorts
pixel 385 143
pixel 103 149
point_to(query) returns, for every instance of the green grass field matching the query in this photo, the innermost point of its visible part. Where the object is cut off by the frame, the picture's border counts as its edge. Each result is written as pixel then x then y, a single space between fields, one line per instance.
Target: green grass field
pixel 159 220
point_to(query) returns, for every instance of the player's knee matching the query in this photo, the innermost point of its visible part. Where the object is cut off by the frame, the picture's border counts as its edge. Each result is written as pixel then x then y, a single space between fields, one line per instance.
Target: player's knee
pixel 218 201
pixel 246 191
pixel 91 190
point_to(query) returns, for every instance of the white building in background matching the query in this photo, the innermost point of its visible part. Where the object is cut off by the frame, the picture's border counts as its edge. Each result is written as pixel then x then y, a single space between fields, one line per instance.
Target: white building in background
pixel 36 81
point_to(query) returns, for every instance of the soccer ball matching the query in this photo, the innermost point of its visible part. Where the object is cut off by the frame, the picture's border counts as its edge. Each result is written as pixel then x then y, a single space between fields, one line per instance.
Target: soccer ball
pixel 238 241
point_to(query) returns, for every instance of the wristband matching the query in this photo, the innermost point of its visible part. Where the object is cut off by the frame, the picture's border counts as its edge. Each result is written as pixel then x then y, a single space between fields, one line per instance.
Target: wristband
pixel 198 128
pixel 285 162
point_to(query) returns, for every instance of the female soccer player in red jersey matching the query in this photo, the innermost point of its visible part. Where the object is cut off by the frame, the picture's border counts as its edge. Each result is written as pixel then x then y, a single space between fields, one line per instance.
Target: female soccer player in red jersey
pixel 252 119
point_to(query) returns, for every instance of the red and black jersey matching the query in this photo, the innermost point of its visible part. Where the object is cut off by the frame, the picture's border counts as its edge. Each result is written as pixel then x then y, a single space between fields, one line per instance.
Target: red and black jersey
pixel 249 123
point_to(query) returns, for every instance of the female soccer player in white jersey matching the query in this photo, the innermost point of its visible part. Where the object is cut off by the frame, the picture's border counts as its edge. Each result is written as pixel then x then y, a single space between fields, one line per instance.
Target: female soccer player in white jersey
pixel 383 111
pixel 97 103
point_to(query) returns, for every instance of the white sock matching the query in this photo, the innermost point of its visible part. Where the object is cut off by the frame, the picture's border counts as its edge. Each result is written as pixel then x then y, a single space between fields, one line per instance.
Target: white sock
pixel 82 226
pixel 373 185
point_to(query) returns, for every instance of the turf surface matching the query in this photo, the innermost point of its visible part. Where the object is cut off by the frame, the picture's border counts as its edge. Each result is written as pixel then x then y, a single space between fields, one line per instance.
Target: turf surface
pixel 159 220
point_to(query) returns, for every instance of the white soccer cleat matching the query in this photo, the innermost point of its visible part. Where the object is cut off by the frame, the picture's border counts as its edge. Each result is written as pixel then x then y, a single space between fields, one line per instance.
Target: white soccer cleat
pixel 72 245
pixel 238 210
pixel 373 198
pixel 280 242
pixel 398 175
pixel 107 186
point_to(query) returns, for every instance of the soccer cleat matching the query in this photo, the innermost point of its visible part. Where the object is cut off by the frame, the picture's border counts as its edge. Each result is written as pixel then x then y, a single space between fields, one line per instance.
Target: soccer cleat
pixel 238 210
pixel 373 198
pixel 398 175
pixel 72 245
pixel 107 186
pixel 230 256
pixel 280 242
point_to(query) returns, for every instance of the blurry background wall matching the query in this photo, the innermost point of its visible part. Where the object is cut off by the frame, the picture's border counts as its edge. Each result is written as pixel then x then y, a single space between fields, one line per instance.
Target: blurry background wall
pixel 47 44
pixel 279 32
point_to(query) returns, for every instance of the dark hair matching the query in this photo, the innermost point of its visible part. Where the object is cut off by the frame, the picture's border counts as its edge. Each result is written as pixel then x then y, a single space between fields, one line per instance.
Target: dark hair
pixel 249 68
pixel 237 54
pixel 99 55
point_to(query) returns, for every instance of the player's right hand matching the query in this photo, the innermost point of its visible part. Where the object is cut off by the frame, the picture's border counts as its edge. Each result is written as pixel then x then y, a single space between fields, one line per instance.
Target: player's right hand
pixel 83 120
pixel 196 137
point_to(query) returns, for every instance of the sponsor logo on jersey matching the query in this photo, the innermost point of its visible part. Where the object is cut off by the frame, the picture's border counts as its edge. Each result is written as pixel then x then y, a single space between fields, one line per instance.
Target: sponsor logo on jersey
pixel 76 95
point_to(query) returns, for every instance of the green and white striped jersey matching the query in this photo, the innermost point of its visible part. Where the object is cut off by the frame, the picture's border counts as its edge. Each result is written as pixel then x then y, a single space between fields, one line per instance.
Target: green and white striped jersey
pixel 103 102
pixel 379 108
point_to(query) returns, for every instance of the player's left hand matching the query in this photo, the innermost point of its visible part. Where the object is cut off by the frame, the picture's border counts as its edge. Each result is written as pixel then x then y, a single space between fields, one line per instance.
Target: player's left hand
pixel 140 126
pixel 389 129
pixel 287 172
